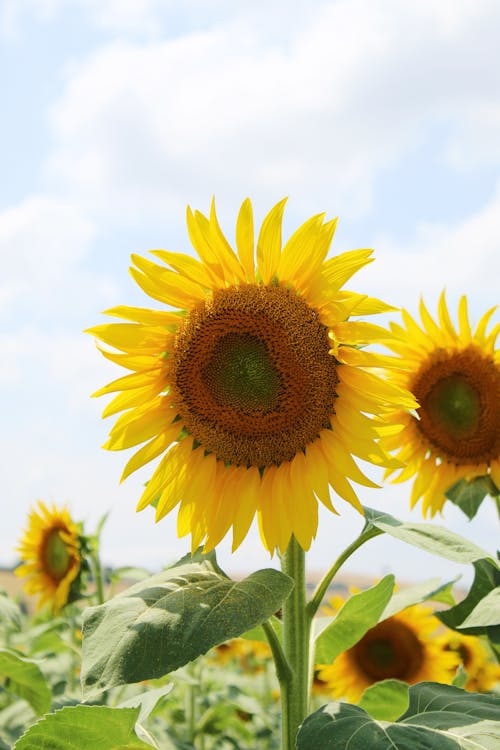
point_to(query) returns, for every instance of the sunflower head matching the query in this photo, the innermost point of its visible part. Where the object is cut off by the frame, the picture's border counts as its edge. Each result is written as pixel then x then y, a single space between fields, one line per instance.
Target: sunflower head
pixel 402 647
pixel 50 549
pixel 483 673
pixel 455 377
pixel 249 381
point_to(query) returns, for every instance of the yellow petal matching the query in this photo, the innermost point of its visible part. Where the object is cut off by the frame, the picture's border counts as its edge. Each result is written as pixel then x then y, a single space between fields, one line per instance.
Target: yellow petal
pixel 269 242
pixel 245 239
pixel 145 316
pixel 148 452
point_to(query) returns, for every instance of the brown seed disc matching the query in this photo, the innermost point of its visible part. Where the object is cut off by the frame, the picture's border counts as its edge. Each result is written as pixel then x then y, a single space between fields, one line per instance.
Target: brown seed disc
pixel 459 394
pixel 55 555
pixel 389 650
pixel 251 375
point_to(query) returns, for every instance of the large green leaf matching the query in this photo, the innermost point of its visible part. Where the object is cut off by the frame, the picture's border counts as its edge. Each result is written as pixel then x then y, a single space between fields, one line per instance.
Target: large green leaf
pixel 84 728
pixel 486 580
pixel 10 614
pixel 432 589
pixel 360 613
pixel 430 537
pixel 468 496
pixel 25 680
pixel 485 613
pixel 164 622
pixel 439 717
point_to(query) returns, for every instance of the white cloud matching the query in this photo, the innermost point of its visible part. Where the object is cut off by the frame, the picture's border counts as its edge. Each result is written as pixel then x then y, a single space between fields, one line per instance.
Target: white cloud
pixel 315 112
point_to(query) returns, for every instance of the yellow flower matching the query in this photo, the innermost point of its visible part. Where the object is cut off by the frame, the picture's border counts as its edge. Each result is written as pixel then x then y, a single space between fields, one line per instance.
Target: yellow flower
pixel 482 672
pixel 455 377
pixel 254 390
pixel 49 548
pixel 402 647
pixel 250 655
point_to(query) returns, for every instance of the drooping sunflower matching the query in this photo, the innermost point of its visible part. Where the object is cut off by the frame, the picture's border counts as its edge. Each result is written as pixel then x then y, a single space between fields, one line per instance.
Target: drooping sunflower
pixel 483 673
pixel 50 549
pixel 402 647
pixel 455 377
pixel 254 389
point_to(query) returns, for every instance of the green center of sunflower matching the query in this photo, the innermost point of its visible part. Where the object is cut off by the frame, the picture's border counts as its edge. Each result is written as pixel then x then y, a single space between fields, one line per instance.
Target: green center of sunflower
pixel 241 373
pixel 252 378
pixel 56 556
pixel 454 403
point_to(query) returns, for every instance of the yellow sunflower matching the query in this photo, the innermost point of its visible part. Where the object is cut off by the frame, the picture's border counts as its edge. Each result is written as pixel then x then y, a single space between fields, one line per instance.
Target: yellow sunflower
pixel 49 548
pixel 455 377
pixel 402 647
pixel 482 672
pixel 254 390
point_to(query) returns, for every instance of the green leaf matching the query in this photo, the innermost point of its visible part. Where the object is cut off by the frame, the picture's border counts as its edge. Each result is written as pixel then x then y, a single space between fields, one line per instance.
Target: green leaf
pixel 258 634
pixel 10 614
pixel 440 717
pixel 386 700
pixel 84 727
pixel 468 496
pixel 486 580
pixel 435 539
pixel 360 613
pixel 460 678
pixel 486 612
pixel 25 680
pixel 147 700
pixel 162 623
pixel 421 592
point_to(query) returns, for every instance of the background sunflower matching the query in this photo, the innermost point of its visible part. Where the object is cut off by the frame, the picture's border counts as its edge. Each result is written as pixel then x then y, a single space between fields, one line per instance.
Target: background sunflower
pixel 455 377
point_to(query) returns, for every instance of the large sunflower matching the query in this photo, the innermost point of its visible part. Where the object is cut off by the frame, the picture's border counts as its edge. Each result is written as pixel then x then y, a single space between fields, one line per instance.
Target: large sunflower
pixel 254 389
pixel 402 647
pixel 50 548
pixel 455 377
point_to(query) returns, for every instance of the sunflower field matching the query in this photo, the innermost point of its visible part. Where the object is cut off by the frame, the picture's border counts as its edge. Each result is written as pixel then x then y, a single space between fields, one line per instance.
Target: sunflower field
pixel 259 387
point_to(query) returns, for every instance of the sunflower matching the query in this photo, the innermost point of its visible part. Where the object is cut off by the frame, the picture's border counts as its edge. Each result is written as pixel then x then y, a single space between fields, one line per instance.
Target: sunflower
pixel 402 647
pixel 455 377
pixel 482 672
pixel 254 389
pixel 50 549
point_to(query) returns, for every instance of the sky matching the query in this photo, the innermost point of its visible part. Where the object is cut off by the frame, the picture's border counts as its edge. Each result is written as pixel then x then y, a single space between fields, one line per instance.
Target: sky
pixel 117 114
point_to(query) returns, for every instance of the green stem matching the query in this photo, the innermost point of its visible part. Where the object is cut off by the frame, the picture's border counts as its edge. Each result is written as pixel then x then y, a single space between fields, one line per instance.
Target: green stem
pixel 368 532
pixel 97 571
pixel 296 629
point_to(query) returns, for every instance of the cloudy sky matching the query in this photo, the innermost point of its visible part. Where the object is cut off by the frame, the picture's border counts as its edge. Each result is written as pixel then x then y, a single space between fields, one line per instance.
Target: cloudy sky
pixel 115 114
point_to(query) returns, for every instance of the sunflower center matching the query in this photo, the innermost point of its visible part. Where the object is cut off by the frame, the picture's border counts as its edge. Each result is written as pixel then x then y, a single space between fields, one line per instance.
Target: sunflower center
pixel 56 557
pixel 389 650
pixel 253 380
pixel 459 395
pixel 241 373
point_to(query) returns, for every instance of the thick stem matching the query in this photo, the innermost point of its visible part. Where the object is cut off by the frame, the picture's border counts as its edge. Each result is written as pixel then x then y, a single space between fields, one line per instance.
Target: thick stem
pixel 368 532
pixel 296 629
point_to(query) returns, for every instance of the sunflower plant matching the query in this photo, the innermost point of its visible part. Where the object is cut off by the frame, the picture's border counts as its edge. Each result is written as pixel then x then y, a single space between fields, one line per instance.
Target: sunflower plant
pixel 253 385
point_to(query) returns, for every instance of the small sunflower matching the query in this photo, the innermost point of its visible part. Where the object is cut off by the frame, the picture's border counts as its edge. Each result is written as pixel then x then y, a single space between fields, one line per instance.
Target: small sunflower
pixel 50 549
pixel 254 389
pixel 455 377
pixel 402 647
pixel 483 673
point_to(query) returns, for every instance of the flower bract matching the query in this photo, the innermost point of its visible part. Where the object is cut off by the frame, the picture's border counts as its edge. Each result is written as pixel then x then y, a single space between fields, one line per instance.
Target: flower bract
pixel 454 374
pixel 249 382
pixel 50 551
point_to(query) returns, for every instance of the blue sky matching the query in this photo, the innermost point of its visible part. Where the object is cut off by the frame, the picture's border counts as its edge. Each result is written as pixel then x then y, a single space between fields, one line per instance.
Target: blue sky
pixel 118 113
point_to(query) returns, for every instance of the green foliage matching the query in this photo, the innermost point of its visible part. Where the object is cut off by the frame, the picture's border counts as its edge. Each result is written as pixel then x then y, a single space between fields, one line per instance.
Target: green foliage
pixel 432 538
pixel 485 613
pixel 486 582
pixel 165 622
pixel 84 727
pixel 431 589
pixel 468 496
pixel 438 716
pixel 360 613
pixel 25 680
pixel 386 700
pixel 10 614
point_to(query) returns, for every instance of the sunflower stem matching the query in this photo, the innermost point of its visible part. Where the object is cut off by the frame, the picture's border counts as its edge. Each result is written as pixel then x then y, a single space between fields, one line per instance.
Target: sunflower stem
pixel 368 532
pixel 296 628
